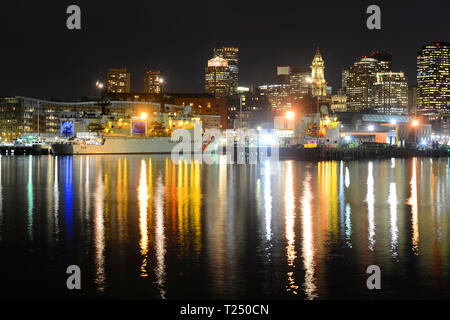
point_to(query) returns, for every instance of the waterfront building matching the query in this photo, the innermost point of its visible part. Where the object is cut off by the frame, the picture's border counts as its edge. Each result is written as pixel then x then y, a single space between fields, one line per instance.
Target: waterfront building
pixel 25 115
pixel 217 78
pixel 117 80
pixel 318 83
pixel 212 109
pixel 433 78
pixel 153 82
pixel 391 92
pixel 231 55
pixel 12 118
pixel 248 110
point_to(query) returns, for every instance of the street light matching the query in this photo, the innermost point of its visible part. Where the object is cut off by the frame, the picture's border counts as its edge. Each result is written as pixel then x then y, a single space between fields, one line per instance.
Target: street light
pixel 415 123
pixel 143 116
pixel 371 127
pixel 393 121
pixel 290 115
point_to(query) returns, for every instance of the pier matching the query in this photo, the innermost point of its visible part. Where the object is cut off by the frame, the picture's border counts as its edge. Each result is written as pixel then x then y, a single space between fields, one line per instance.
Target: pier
pixel 245 154
pixel 360 153
pixel 24 150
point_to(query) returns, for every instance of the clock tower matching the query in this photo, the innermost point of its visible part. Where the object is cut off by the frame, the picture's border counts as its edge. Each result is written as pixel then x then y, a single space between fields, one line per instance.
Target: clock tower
pixel 318 83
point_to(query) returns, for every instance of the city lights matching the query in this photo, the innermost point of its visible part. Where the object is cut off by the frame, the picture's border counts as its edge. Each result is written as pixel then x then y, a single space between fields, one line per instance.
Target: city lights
pixel 290 115
pixel 195 169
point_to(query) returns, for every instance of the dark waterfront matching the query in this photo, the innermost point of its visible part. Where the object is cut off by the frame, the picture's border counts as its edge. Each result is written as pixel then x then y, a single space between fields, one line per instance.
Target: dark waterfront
pixel 144 227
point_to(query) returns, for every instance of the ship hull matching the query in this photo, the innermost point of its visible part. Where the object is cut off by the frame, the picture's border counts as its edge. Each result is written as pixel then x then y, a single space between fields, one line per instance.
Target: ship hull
pixel 156 145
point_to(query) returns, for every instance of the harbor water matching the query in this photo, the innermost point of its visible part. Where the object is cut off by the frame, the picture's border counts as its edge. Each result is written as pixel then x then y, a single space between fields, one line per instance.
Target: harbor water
pixel 144 227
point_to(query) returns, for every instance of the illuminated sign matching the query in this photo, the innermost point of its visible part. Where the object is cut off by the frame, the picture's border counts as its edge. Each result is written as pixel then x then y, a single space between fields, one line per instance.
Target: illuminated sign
pixel 67 128
pixel 138 128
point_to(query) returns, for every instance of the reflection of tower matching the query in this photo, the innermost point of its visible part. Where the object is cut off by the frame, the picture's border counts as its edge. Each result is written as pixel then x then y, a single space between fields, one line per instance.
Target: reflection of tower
pixel 318 85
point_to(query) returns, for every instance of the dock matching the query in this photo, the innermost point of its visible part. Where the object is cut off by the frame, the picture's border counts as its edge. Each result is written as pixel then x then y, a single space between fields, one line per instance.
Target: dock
pixel 24 150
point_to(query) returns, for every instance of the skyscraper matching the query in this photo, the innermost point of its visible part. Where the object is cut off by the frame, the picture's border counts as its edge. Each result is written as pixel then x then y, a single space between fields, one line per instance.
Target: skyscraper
pixel 391 92
pixel 318 84
pixel 412 99
pixel 299 81
pixel 384 60
pixel 217 77
pixel 361 78
pixel 118 81
pixel 344 79
pixel 153 82
pixel 433 78
pixel 231 54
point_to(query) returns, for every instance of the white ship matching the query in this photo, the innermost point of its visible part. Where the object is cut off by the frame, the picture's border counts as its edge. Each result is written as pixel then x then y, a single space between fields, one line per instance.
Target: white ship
pixel 137 135
pixel 128 145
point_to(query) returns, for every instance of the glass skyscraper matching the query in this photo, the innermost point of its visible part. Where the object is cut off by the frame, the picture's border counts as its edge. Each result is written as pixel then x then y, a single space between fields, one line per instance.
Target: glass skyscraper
pixel 433 78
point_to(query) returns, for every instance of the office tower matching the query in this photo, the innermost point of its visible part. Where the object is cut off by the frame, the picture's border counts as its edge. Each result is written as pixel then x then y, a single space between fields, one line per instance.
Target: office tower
pixel 117 80
pixel 338 102
pixel 391 92
pixel 360 84
pixel 384 59
pixel 299 81
pixel 153 82
pixel 276 93
pixel 433 78
pixel 217 77
pixel 231 55
pixel 344 79
pixel 318 84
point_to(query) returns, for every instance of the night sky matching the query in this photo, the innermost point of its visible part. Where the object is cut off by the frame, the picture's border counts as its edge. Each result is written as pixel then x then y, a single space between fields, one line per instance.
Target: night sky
pixel 40 57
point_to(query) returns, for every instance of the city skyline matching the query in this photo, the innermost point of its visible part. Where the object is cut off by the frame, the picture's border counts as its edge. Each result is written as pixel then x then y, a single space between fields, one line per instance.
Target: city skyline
pixel 67 70
pixel 229 158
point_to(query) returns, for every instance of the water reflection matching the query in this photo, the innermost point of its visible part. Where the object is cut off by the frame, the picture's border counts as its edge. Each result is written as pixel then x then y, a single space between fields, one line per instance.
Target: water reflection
pixel 160 239
pixel 56 198
pixel 348 225
pixel 308 239
pixel 1 200
pixel 68 196
pixel 30 197
pixel 392 200
pixel 413 202
pixel 289 215
pixel 370 199
pixel 99 229
pixel 268 200
pixel 163 230
pixel 143 195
